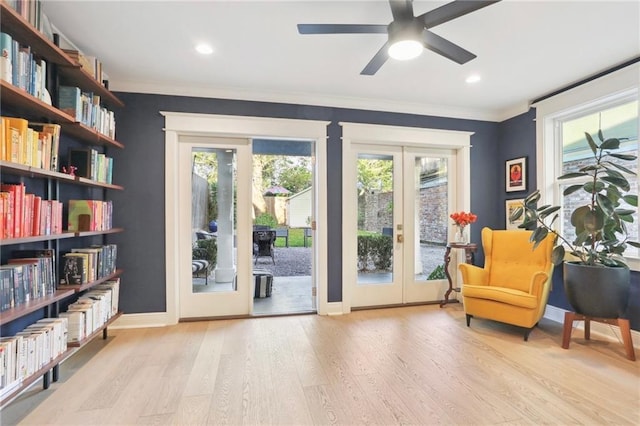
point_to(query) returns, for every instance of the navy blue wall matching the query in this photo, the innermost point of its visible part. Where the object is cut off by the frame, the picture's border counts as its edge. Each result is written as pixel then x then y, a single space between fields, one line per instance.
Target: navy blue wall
pixel 140 168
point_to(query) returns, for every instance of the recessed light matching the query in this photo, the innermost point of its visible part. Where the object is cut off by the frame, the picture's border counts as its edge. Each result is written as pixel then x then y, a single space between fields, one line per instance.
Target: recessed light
pixel 204 49
pixel 473 78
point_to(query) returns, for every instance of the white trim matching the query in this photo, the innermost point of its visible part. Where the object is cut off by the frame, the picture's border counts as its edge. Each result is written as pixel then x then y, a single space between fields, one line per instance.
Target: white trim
pixel 179 124
pixel 618 84
pixel 145 320
pixel 315 99
pixel 335 308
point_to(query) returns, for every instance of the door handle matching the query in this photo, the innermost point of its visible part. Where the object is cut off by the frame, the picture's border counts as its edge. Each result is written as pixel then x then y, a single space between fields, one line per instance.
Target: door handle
pixel 400 238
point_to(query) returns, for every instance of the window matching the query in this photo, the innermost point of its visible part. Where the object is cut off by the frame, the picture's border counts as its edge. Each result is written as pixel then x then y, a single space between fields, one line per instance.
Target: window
pixel 610 104
pixel 618 119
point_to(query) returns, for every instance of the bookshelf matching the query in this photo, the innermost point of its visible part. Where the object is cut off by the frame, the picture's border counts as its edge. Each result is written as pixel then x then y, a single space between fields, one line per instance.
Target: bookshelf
pixel 53 184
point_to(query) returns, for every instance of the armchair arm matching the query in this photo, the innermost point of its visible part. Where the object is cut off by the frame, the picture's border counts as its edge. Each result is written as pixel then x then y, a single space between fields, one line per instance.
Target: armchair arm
pixel 538 281
pixel 472 274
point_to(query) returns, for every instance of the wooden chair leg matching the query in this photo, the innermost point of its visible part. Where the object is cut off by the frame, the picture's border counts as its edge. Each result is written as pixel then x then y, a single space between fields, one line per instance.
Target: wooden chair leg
pixel 469 319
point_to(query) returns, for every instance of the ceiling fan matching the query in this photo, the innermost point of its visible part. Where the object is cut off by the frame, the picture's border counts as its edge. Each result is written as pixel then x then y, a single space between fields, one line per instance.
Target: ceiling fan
pixel 408 34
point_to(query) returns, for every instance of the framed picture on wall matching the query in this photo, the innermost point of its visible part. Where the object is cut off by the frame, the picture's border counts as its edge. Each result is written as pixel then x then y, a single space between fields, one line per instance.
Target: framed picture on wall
pixel 510 206
pixel 516 174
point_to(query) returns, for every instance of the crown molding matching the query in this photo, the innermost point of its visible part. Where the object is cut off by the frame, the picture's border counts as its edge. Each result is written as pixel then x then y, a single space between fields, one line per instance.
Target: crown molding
pixel 297 98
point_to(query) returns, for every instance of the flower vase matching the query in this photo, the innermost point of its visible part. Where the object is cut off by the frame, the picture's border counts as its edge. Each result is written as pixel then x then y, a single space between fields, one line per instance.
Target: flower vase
pixel 460 235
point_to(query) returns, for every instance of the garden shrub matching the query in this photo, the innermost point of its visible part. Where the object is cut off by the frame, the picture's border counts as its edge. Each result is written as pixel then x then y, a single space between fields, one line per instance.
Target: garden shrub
pixel 437 273
pixel 376 249
pixel 266 219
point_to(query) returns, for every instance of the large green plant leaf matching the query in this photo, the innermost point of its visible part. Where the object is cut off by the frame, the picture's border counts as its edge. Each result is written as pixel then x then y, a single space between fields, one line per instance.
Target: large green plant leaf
pixel 626 157
pixel 592 144
pixel 577 218
pixel 571 189
pixel 572 175
pixel 618 166
pixel 557 255
pixel 632 200
pixel 621 183
pixel 612 143
pixel 589 186
pixel 593 220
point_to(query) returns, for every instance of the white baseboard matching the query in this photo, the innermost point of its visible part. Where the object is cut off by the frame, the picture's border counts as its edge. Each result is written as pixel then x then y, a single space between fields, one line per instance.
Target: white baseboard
pixel 603 331
pixel 554 313
pixel 334 308
pixel 152 319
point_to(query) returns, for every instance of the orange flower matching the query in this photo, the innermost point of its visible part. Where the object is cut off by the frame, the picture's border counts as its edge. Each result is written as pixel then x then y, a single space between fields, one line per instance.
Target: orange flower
pixel 462 219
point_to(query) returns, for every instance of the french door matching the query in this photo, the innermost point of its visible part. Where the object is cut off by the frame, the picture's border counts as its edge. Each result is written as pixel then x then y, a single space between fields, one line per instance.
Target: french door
pixel 218 181
pixel 398 199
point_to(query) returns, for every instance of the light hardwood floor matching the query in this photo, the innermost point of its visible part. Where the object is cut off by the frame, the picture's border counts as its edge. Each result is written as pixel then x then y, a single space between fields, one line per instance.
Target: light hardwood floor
pixel 414 365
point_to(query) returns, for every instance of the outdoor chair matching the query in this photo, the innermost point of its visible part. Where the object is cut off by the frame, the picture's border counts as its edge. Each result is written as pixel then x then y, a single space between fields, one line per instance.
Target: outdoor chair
pixel 263 245
pixel 307 235
pixel 283 233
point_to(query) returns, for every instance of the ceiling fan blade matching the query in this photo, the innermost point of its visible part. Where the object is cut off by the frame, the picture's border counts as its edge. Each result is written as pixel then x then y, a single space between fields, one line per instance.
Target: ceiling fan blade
pixel 452 10
pixel 445 48
pixel 377 61
pixel 342 29
pixel 402 10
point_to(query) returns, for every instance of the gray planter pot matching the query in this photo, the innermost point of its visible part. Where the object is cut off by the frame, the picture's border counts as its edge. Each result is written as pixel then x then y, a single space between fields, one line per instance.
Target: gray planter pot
pixel 596 291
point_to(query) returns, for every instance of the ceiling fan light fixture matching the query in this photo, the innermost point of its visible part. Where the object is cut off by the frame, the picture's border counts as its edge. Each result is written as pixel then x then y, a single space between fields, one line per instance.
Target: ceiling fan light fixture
pixel 405 39
pixel 404 50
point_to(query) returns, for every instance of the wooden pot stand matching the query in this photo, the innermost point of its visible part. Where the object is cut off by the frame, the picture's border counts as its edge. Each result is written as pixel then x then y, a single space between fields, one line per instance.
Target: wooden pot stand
pixel 623 324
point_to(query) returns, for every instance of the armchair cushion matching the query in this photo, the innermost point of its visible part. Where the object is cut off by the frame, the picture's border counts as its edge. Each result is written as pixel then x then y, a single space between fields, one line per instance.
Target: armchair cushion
pixel 513 287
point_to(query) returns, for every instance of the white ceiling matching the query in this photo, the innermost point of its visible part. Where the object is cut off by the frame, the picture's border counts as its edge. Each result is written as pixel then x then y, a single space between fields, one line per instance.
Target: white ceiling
pixel 525 49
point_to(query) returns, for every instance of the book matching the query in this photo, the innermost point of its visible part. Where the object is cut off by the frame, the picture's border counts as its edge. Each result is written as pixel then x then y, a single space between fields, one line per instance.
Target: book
pixel 6 60
pixel 51 133
pixel 70 101
pixel 73 269
pixel 16 196
pixel 15 140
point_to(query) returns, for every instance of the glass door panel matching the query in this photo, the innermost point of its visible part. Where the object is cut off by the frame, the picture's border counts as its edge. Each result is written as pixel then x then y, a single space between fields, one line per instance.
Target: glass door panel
pixel 213 183
pixel 378 226
pixel 428 181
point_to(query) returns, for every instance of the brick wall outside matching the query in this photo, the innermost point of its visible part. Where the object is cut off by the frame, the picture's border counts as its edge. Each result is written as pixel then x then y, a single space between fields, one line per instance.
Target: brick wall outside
pixel 375 213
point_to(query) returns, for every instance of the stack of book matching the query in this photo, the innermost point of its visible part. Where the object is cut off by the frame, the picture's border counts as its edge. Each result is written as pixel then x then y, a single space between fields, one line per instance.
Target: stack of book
pixel 91 164
pixel 90 215
pixel 85 108
pixel 27 215
pixel 30 350
pixel 29 143
pixel 84 265
pixel 21 68
pixel 28 275
pixel 92 310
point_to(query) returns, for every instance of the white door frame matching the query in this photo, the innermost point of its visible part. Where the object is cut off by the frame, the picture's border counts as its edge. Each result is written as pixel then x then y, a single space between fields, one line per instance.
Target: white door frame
pixel 179 124
pixel 373 134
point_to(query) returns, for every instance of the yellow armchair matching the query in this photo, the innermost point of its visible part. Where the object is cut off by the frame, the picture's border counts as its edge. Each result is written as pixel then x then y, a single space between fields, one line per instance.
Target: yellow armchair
pixel 513 287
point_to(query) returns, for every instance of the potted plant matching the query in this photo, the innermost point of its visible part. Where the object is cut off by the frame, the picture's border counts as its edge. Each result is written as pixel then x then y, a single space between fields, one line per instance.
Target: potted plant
pixel 596 279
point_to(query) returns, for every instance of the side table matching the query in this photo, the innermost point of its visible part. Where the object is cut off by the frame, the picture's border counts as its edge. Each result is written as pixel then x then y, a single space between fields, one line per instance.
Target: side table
pixel 469 252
